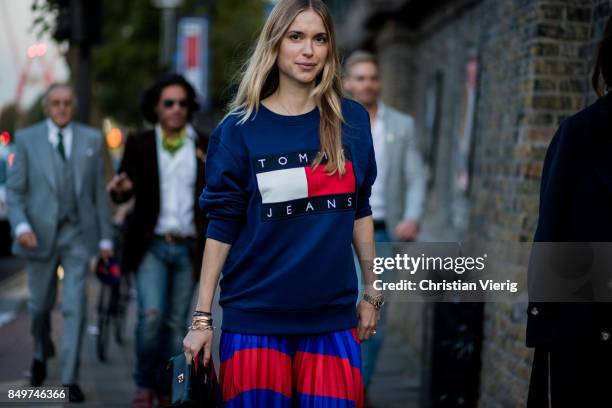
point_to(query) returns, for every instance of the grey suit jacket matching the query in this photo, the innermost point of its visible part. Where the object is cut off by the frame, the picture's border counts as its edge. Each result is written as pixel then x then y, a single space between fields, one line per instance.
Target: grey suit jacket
pixel 405 174
pixel 31 184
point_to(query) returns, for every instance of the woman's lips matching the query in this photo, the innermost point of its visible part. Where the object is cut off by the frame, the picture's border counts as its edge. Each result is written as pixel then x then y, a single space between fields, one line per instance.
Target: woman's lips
pixel 306 66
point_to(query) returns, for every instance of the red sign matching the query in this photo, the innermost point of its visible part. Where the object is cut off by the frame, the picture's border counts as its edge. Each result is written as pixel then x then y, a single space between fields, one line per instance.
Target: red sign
pixel 191 51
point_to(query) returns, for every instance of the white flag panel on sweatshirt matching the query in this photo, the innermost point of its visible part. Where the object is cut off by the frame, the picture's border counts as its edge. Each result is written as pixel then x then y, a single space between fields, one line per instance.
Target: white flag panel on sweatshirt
pixel 278 186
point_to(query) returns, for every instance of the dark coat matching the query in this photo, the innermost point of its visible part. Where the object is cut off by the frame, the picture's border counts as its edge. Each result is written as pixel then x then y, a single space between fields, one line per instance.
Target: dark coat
pixel 140 164
pixel 575 206
pixel 573 340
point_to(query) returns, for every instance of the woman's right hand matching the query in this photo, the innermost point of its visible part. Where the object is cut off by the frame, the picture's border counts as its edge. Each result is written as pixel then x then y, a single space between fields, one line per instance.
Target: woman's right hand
pixel 194 341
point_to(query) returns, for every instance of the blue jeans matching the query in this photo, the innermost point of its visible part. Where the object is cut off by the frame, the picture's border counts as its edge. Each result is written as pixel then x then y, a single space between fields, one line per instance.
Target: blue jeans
pixel 371 347
pixel 164 283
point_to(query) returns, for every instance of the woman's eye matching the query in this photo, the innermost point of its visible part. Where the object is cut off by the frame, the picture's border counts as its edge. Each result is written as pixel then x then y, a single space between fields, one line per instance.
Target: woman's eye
pixel 294 36
pixel 322 39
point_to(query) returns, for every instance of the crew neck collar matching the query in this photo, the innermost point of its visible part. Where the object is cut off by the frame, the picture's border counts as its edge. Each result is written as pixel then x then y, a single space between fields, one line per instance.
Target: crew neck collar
pixel 288 118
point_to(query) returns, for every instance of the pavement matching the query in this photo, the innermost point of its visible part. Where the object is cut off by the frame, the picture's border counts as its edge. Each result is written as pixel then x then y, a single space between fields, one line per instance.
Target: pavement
pixel 106 384
pixel 10 265
pixel 396 380
pixel 395 383
pixel 13 289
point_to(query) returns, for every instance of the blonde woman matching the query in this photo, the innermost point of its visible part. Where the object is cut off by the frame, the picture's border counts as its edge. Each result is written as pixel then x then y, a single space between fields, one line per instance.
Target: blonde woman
pixel 289 175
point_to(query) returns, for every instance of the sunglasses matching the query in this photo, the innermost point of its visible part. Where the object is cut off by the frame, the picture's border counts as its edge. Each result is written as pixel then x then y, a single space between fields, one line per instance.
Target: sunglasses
pixel 168 103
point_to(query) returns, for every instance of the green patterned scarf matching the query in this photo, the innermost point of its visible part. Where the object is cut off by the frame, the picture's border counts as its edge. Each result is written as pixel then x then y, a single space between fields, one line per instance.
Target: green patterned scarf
pixel 173 144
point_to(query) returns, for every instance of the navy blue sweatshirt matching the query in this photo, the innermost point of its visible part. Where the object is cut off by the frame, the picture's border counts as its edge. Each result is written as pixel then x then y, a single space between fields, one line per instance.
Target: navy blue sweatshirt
pixel 290 269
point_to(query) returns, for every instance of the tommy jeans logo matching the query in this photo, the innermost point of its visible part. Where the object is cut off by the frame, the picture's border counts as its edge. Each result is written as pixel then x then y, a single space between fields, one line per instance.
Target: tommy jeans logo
pixel 290 187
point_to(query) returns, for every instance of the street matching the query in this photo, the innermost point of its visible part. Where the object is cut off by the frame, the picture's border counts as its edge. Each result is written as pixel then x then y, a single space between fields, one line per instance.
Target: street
pixel 104 384
pixel 110 384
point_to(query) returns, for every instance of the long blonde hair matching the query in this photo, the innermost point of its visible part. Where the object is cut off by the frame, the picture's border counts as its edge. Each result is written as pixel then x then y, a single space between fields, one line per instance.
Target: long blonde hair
pixel 260 78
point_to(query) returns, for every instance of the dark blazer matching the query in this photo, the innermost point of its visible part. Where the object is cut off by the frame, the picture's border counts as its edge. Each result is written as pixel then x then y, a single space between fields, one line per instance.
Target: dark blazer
pixel 140 164
pixel 575 206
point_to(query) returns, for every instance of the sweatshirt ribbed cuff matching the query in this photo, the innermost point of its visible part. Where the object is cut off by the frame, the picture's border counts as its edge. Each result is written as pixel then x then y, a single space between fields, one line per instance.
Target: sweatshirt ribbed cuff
pixel 363 212
pixel 223 230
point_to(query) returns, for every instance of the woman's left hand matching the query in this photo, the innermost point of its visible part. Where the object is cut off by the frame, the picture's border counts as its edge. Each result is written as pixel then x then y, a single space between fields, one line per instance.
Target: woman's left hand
pixel 368 319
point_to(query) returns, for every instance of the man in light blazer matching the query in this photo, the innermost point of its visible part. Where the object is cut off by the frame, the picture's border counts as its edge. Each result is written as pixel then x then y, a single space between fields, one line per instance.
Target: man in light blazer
pixel 59 215
pixel 398 193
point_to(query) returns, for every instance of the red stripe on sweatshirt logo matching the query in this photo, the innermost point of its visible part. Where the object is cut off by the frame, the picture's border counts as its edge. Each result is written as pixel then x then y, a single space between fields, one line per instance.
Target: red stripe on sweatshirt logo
pixel 319 183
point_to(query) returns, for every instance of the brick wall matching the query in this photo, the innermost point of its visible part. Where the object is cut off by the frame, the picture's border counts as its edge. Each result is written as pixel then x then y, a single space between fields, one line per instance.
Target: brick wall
pixel 535 59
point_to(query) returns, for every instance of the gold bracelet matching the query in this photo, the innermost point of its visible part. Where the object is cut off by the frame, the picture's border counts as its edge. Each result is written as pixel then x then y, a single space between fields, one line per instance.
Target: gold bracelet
pixel 202 327
pixel 202 319
pixel 200 324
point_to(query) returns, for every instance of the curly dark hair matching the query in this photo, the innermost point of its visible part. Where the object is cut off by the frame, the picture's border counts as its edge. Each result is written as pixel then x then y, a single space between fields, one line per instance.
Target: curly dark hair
pixel 150 97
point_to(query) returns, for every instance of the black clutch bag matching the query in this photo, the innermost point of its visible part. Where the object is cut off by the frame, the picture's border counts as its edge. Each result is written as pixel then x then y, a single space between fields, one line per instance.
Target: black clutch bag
pixel 194 385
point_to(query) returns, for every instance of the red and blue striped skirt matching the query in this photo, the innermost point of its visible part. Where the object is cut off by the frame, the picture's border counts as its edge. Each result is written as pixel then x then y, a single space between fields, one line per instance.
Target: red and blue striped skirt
pixel 318 370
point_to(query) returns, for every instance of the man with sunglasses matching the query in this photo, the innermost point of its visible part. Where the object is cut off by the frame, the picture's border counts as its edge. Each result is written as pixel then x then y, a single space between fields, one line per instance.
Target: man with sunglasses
pixel 163 171
pixel 59 215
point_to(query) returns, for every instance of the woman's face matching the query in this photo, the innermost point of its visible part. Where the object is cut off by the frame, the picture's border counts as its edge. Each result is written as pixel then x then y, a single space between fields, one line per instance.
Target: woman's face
pixel 304 48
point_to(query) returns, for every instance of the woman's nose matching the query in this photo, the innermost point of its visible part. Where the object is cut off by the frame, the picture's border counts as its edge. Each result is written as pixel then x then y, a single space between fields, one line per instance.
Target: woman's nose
pixel 307 50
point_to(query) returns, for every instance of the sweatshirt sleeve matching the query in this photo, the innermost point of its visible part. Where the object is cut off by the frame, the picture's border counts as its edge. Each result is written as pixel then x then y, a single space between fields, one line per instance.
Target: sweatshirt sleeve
pixel 224 198
pixel 365 189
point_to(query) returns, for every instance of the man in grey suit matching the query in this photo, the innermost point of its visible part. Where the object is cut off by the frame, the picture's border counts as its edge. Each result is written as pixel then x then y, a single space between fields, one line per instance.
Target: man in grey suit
pixel 59 215
pixel 398 194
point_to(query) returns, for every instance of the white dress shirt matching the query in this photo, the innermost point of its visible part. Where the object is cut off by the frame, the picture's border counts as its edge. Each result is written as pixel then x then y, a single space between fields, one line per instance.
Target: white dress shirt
pixel 177 178
pixel 377 198
pixel 53 137
pixel 66 133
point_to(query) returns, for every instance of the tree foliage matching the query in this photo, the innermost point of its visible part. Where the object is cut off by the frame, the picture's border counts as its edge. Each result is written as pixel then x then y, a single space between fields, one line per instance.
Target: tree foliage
pixel 127 61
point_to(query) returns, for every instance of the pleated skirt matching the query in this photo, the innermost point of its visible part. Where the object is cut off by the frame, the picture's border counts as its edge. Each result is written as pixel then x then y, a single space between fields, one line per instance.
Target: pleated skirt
pixel 307 371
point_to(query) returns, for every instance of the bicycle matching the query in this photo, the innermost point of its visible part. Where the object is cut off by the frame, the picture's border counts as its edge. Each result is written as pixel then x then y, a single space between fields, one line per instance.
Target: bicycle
pixel 113 301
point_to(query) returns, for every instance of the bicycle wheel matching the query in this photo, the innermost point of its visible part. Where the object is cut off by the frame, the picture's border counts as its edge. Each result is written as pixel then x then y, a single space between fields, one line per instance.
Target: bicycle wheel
pixel 104 318
pixel 122 299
